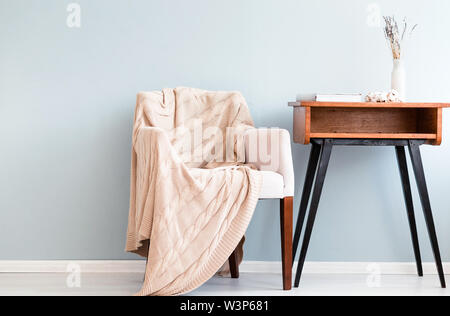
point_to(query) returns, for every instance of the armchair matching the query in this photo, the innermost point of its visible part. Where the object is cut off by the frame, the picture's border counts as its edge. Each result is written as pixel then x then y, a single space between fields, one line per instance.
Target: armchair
pixel 269 150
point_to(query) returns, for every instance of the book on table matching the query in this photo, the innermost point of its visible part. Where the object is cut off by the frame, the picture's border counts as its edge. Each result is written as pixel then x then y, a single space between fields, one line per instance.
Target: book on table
pixel 331 97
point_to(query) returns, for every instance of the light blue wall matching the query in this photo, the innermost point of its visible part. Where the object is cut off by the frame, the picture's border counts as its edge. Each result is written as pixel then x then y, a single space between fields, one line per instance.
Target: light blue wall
pixel 67 99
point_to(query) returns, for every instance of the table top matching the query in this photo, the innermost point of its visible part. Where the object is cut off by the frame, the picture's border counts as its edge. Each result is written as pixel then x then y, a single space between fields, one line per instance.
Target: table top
pixel 423 105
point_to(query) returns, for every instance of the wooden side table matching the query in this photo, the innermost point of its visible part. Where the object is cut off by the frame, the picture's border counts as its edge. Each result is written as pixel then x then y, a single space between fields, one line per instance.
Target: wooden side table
pixel 328 124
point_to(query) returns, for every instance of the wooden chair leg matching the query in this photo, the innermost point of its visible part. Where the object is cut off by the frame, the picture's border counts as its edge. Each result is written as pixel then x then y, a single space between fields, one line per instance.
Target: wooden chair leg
pixel 286 221
pixel 234 265
pixel 146 261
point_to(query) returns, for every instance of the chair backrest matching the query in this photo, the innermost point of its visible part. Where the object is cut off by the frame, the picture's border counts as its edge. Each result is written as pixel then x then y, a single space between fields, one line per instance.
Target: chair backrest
pixel 205 127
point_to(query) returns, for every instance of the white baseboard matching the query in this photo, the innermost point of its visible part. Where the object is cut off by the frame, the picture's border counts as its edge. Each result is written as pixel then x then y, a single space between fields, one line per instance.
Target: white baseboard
pixel 138 266
pixel 385 268
pixel 63 266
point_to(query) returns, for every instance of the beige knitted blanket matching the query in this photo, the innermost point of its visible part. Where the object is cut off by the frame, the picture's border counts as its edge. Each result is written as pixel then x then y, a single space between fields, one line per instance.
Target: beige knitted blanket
pixel 191 197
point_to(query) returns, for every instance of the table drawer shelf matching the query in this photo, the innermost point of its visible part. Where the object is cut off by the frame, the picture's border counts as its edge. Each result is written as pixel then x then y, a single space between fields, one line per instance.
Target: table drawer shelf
pixel 367 122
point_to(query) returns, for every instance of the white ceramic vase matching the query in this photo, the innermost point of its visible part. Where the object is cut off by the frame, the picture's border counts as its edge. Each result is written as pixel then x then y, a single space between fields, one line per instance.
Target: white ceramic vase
pixel 399 78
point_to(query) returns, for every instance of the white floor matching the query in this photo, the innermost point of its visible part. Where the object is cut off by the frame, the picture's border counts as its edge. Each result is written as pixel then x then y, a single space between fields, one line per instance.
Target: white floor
pixel 250 284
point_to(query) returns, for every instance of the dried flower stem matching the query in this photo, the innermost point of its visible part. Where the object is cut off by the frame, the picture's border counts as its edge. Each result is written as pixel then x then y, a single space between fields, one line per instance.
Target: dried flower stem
pixel 392 34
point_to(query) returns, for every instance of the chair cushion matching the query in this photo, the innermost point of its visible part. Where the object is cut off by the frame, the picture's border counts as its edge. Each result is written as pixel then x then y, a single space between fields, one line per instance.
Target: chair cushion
pixel 272 185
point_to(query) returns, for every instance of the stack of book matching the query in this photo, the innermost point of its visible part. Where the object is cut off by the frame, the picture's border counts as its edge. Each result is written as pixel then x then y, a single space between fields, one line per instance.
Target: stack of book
pixel 331 97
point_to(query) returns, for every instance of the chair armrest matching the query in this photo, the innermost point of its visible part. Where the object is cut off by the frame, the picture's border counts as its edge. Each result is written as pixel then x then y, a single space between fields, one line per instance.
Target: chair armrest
pixel 269 149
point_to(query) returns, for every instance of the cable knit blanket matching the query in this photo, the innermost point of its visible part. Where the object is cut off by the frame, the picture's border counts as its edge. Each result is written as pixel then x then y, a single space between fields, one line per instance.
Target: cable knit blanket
pixel 191 196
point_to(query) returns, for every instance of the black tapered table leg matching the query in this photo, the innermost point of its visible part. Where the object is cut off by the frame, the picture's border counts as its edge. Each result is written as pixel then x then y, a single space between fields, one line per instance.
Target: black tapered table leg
pixel 416 159
pixel 403 167
pixel 307 187
pixel 327 147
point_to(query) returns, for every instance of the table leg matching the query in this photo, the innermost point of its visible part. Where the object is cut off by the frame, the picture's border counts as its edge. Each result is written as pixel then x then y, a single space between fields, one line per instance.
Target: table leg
pixel 320 179
pixel 403 167
pixel 416 159
pixel 307 187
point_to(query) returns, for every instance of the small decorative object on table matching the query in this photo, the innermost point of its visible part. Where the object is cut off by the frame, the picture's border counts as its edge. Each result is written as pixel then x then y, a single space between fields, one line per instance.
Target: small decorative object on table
pixel 381 97
pixel 396 41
